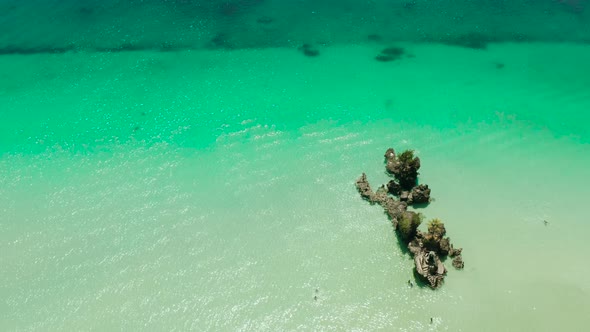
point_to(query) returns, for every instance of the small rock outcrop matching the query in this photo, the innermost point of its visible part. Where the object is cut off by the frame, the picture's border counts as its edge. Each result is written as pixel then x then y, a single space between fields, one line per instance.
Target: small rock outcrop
pixel 403 167
pixel 420 194
pixel 427 248
pixel 458 262
pixel 405 170
pixel 393 208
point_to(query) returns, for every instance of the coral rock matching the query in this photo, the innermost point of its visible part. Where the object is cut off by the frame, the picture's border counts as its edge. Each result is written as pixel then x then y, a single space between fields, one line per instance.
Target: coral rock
pixel 394 188
pixel 364 188
pixel 458 262
pixel 426 248
pixel 430 268
pixel 404 196
pixel 419 194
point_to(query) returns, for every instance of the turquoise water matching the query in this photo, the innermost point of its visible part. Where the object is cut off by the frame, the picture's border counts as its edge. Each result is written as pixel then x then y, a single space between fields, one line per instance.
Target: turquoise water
pixel 213 189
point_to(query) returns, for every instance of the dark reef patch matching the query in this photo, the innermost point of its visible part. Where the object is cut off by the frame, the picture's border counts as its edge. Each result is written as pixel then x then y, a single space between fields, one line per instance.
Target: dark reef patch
pixel 221 40
pixel 23 50
pixel 499 65
pixel 265 20
pixel 390 54
pixel 374 37
pixel 308 50
pixel 473 40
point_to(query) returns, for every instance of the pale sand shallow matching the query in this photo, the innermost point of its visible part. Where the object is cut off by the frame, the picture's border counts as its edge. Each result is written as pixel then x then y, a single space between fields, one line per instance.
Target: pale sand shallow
pixel 234 200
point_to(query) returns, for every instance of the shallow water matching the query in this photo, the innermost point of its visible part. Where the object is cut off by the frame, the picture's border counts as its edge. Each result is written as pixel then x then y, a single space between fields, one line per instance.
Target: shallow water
pixel 214 189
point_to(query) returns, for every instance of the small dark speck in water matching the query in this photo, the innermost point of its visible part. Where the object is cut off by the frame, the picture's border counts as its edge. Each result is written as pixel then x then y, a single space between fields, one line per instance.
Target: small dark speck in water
pixel 390 54
pixel 395 51
pixel 374 37
pixel 136 128
pixel 384 58
pixel 410 5
pixel 499 65
pixel 142 113
pixel 265 20
pixel 85 11
pixel 545 222
pixel 315 298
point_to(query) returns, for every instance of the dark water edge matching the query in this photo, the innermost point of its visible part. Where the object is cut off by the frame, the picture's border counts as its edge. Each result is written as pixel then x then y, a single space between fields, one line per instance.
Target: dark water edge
pixel 49 26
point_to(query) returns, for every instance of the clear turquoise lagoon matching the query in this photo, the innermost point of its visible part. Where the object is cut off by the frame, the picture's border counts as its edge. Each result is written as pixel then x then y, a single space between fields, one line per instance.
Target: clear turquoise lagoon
pixel 168 181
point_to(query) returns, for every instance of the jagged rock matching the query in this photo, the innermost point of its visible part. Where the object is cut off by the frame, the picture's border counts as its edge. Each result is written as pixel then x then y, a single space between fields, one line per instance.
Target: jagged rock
pixel 393 208
pixel 426 248
pixel 394 188
pixel 364 188
pixel 404 196
pixel 415 246
pixel 454 252
pixel 437 228
pixel 420 194
pixel 430 268
pixel 390 160
pixel 444 246
pixel 458 262
pixel 434 239
pixel 404 167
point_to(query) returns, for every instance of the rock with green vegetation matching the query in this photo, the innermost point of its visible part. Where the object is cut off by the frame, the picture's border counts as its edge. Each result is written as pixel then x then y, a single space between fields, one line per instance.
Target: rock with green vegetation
pixel 436 228
pixel 427 248
pixel 404 167
pixel 434 239
pixel 408 225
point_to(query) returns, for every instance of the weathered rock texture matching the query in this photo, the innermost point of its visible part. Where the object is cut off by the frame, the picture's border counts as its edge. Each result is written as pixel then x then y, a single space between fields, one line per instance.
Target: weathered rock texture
pixel 426 248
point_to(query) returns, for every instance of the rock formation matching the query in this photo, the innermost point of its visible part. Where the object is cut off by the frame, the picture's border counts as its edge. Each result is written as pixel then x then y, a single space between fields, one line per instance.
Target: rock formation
pixel 420 194
pixel 404 167
pixel 427 248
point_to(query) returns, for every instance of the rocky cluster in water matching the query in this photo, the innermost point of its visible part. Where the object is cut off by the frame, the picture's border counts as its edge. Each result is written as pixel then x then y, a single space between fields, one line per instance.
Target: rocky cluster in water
pixel 427 248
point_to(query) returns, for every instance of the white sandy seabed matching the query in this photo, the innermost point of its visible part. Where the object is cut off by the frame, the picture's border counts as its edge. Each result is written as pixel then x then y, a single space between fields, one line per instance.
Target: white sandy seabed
pixel 214 190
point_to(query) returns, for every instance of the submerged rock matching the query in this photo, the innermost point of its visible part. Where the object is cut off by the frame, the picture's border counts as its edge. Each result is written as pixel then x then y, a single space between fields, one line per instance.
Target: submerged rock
pixel 308 50
pixel 394 188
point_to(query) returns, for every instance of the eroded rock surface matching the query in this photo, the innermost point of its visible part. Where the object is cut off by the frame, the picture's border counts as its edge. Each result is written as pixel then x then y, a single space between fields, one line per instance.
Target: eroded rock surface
pixel 403 167
pixel 430 268
pixel 458 262
pixel 420 194
pixel 427 248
